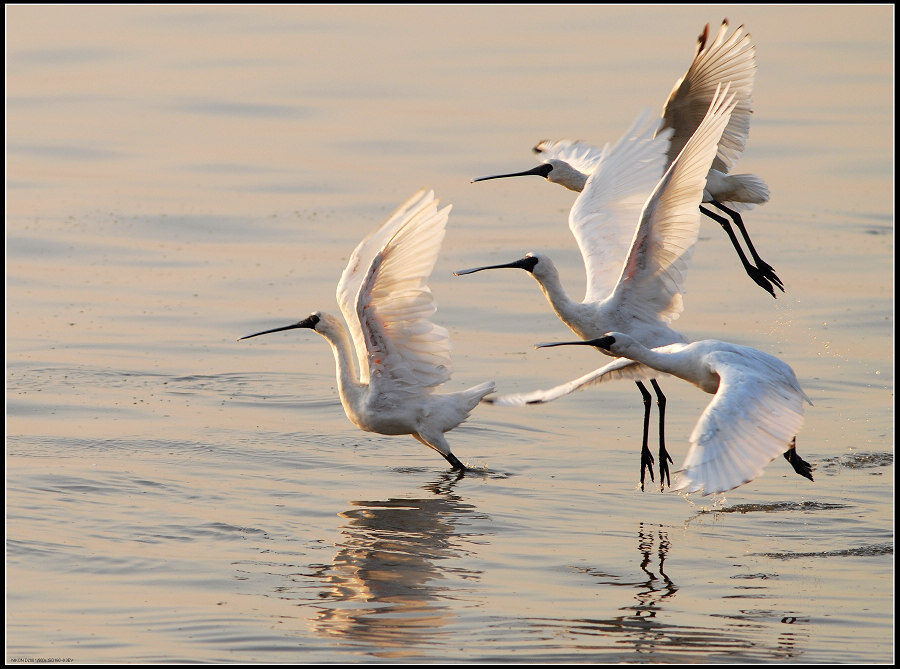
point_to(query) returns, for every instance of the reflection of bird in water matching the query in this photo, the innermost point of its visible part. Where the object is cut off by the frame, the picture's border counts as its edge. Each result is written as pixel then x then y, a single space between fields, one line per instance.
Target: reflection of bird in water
pixel 396 563
pixel 649 599
pixel 646 628
pixel 787 640
pixel 637 629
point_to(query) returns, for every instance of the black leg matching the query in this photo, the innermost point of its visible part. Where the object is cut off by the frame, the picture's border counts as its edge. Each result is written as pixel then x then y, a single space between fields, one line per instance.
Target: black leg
pixel 454 462
pixel 664 457
pixel 761 264
pixel 800 465
pixel 646 455
pixel 758 275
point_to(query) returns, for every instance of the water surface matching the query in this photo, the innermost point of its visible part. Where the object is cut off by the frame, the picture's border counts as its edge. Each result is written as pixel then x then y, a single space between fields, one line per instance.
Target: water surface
pixel 180 177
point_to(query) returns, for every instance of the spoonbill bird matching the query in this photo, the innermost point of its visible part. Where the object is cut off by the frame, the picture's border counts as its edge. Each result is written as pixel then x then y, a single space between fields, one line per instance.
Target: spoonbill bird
pixel 754 416
pixel 643 295
pixel 569 163
pixel 402 355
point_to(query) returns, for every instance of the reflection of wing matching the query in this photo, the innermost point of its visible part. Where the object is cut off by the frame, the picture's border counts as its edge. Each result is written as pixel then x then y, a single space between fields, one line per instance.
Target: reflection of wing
pixel 618 369
pixel 607 211
pixel 754 415
pixel 358 268
pixel 395 303
pixel 580 155
pixel 652 280
pixel 389 577
pixel 731 60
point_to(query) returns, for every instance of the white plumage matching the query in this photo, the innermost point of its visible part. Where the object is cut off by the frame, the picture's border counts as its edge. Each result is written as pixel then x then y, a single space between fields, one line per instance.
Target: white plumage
pixel 400 355
pixel 643 294
pixel 754 416
pixel 726 60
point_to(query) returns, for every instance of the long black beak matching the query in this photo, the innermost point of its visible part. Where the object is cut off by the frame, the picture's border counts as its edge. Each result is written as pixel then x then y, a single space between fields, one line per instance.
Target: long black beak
pixel 308 322
pixel 601 342
pixel 527 263
pixel 541 170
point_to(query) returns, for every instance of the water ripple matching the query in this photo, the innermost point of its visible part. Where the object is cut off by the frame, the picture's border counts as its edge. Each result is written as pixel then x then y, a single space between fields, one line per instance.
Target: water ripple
pixel 871 550
pixel 857 461
pixel 776 507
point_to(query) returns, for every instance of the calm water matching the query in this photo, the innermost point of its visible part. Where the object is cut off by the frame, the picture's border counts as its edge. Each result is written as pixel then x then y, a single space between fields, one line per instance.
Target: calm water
pixel 179 177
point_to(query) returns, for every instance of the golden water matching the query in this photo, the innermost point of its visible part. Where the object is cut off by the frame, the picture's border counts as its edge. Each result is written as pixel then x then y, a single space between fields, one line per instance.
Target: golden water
pixel 179 177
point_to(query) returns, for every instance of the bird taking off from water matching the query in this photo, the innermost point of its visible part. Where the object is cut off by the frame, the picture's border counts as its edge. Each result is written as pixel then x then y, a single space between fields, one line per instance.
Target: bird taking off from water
pixel 401 355
pixel 754 416
pixel 636 287
pixel 732 60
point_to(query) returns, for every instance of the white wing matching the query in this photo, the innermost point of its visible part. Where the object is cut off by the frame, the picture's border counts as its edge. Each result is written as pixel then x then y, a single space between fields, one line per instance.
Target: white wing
pixel 405 350
pixel 618 369
pixel 754 415
pixel 358 269
pixel 725 60
pixel 651 282
pixel 579 155
pixel 606 212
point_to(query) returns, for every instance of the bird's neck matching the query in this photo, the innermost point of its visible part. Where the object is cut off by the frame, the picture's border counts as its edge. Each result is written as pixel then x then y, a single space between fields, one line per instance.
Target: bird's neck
pixel 569 311
pixel 349 386
pixel 574 180
pixel 680 363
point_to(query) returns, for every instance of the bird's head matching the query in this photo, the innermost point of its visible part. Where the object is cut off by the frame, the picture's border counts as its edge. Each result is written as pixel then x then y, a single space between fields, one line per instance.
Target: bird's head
pixel 315 321
pixel 528 263
pixel 608 343
pixel 542 170
pixel 553 170
pixel 565 175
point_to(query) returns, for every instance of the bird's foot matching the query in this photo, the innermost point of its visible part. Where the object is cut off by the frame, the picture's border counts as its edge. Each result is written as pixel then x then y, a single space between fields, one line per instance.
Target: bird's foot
pixel 664 478
pixel 761 280
pixel 800 465
pixel 769 273
pixel 646 465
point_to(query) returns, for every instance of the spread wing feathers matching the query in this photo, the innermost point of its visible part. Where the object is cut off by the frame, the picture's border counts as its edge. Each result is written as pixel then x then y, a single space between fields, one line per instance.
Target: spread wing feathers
pixel 358 265
pixel 731 59
pixel 754 415
pixel 652 279
pixel 617 370
pixel 580 155
pixel 402 347
pixel 606 212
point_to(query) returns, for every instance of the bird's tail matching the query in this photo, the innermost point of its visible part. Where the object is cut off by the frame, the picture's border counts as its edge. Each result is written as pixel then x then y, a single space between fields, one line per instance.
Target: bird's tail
pixel 456 407
pixel 474 395
pixel 746 190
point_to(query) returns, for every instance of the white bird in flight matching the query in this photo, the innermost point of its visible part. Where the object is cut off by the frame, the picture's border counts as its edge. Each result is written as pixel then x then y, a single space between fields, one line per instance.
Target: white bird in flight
pixel 754 416
pixel 402 355
pixel 643 294
pixel 569 162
